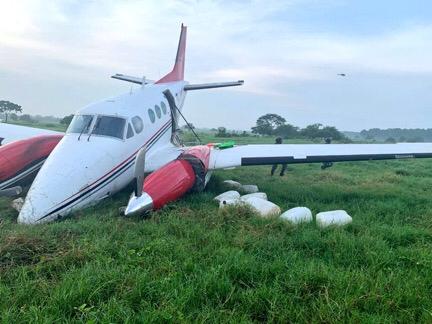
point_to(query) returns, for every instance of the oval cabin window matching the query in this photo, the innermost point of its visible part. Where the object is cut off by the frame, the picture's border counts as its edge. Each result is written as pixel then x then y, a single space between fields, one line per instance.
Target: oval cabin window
pixel 152 115
pixel 163 106
pixel 158 111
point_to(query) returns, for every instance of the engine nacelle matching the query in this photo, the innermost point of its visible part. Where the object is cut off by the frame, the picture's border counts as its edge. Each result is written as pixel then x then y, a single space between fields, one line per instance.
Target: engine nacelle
pixel 172 181
pixel 20 160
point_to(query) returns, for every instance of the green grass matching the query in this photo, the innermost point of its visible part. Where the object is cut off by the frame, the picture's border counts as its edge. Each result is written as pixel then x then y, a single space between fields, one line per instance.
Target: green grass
pixel 190 262
pixel 51 126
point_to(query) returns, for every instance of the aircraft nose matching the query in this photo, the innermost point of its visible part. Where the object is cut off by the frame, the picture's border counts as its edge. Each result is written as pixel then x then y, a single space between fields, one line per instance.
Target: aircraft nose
pixel 53 195
pixel 75 175
pixel 36 208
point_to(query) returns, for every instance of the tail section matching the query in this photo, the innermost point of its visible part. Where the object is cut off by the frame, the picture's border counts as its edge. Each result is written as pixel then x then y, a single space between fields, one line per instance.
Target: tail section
pixel 177 73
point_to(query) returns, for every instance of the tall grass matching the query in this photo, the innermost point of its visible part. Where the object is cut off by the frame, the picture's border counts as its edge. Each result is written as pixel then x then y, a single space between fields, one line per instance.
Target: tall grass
pixel 190 262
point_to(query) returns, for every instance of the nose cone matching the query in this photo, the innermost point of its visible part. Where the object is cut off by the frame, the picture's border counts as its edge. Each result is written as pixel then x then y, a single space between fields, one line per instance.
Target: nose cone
pixel 75 175
pixel 38 206
pixel 54 191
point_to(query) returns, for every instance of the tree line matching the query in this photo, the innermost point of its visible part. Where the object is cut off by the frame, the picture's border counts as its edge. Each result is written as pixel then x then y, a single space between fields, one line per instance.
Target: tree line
pixel 393 135
pixel 275 125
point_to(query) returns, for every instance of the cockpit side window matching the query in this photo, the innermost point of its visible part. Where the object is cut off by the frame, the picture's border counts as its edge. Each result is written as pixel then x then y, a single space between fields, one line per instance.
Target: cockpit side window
pixel 138 124
pixel 109 126
pixel 80 124
pixel 130 132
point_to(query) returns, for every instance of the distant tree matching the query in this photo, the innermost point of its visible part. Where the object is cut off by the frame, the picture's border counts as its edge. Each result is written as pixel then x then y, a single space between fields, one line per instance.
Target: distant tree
pixel 187 127
pixel 287 131
pixel 13 116
pixel 66 120
pixel 403 134
pixel 26 118
pixel 416 139
pixel 315 131
pixel 333 133
pixel 267 124
pixel 221 132
pixel 390 140
pixel 8 107
pixel 244 134
pixel 312 131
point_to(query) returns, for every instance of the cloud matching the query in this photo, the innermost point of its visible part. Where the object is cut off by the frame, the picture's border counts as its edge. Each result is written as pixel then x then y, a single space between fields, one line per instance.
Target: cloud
pixel 227 40
pixel 224 36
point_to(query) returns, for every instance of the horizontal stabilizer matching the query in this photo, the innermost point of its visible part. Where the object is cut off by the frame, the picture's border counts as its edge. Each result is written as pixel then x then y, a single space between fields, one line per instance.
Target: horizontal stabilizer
pixel 213 85
pixel 130 78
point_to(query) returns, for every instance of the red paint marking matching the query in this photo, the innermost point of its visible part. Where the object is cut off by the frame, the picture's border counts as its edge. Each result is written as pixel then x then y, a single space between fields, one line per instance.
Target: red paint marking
pixel 177 73
pixel 16 156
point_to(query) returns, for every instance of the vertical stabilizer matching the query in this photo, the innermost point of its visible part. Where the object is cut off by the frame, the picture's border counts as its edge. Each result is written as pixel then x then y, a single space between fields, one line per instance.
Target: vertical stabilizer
pixel 177 73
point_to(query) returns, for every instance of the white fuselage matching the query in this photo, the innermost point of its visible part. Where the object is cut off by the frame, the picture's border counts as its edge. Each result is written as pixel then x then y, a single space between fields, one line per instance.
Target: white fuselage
pixel 87 167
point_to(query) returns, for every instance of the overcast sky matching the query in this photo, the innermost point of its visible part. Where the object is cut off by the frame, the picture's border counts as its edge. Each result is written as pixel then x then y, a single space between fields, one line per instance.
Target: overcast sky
pixel 56 56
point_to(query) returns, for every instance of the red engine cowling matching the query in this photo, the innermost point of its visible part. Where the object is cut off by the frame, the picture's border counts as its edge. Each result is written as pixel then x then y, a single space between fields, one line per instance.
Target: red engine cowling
pixel 169 182
pixel 23 158
pixel 173 180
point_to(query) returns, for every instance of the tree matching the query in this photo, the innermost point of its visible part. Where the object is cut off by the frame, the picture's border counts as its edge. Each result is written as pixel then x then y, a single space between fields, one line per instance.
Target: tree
pixel 7 107
pixel 416 139
pixel 66 120
pixel 26 118
pixel 287 131
pixel 222 132
pixel 312 131
pixel 390 140
pixel 333 133
pixel 318 131
pixel 267 124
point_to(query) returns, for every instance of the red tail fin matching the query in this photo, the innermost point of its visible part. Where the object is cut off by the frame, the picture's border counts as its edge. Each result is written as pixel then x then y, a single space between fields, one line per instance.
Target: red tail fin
pixel 177 73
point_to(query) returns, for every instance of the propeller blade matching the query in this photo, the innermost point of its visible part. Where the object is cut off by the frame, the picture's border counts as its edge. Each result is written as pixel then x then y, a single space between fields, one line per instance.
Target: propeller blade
pixel 139 171
pixel 11 192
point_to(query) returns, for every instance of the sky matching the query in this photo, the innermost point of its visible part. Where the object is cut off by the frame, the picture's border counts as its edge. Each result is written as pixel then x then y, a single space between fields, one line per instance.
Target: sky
pixel 57 56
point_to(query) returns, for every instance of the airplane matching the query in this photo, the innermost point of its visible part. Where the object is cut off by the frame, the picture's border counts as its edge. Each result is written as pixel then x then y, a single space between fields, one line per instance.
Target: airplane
pixel 117 141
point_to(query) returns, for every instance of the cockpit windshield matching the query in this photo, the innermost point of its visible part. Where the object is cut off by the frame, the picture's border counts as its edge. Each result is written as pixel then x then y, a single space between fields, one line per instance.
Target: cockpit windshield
pixel 80 124
pixel 109 126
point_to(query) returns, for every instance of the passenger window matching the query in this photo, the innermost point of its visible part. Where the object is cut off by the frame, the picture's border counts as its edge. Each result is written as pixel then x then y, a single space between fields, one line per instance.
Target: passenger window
pixel 152 115
pixel 130 132
pixel 138 124
pixel 163 106
pixel 158 111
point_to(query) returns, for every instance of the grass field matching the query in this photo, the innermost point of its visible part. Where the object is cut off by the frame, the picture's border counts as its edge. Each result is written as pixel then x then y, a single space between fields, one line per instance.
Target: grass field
pixel 190 262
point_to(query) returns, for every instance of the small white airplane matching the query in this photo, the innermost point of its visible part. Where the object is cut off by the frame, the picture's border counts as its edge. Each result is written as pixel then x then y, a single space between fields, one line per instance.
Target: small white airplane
pixel 111 143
